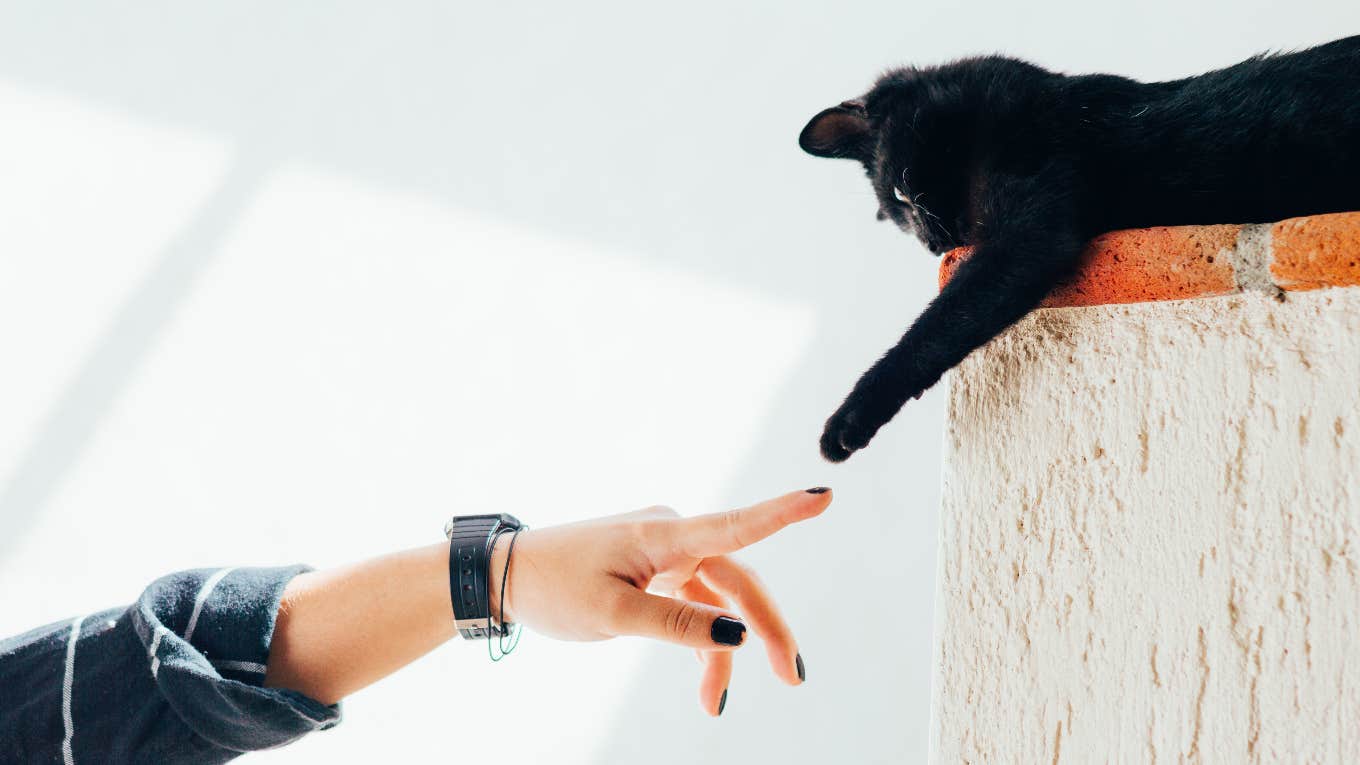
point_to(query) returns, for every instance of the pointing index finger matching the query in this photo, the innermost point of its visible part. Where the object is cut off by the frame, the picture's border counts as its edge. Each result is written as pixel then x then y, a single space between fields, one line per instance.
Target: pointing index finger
pixel 705 536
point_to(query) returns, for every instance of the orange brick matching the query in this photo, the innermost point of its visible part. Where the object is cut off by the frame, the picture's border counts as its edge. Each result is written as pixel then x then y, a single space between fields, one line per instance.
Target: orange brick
pixel 1150 264
pixel 1141 265
pixel 950 263
pixel 1316 251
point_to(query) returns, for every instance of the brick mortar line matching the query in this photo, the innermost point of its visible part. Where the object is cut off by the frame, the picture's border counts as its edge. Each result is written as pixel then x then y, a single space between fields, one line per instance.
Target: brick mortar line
pixel 1251 259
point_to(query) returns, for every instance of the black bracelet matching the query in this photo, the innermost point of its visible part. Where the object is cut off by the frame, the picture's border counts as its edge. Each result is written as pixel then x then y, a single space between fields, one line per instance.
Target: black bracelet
pixel 507 627
pixel 471 538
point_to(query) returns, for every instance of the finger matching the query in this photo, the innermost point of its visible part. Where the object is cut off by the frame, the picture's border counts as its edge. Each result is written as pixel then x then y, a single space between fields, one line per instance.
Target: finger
pixel 683 622
pixel 717 678
pixel 699 592
pixel 723 533
pixel 750 597
pixel 717 672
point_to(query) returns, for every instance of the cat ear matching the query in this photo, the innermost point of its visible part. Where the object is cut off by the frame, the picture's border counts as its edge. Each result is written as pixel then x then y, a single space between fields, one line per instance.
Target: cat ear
pixel 841 131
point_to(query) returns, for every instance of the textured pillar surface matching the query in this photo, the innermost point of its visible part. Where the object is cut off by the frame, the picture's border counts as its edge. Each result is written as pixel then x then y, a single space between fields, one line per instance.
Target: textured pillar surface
pixel 1149 540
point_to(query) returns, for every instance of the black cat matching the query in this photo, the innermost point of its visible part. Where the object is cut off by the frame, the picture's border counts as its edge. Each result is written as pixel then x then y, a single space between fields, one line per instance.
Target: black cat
pixel 1027 165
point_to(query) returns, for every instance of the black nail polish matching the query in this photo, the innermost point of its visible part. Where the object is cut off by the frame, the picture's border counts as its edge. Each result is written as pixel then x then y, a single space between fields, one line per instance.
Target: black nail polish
pixel 802 672
pixel 819 490
pixel 722 702
pixel 727 631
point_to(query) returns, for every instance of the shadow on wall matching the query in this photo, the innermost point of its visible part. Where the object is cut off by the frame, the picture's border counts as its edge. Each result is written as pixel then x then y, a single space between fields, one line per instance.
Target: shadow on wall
pixel 679 148
pixel 106 371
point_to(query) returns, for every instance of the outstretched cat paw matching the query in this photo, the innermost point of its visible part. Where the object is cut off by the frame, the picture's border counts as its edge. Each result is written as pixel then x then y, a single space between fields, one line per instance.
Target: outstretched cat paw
pixel 846 433
pixel 855 423
pixel 831 445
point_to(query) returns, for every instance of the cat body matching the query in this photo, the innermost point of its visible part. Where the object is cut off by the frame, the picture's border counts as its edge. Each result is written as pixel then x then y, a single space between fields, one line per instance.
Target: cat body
pixel 1027 165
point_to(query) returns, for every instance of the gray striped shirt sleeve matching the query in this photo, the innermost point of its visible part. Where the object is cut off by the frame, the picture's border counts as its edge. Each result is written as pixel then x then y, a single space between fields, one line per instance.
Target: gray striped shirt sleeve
pixel 175 677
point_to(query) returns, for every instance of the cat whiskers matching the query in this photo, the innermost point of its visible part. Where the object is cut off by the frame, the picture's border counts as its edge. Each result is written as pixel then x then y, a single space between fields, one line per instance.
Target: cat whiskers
pixel 915 201
pixel 933 221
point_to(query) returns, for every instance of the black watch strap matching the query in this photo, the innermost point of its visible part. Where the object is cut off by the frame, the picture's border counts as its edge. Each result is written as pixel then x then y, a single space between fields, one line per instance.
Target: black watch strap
pixel 470 538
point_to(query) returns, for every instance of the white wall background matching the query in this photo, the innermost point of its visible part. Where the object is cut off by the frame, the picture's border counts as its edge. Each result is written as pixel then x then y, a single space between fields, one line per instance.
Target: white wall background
pixel 294 283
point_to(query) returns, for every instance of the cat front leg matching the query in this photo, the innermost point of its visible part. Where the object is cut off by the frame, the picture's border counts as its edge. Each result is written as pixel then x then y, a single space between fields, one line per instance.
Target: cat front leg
pixel 1002 281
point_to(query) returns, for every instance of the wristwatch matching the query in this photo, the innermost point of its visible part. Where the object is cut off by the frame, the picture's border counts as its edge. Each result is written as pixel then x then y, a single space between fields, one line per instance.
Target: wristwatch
pixel 470 540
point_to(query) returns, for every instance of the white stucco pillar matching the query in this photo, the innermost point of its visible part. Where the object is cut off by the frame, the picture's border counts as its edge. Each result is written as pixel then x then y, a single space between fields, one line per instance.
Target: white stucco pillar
pixel 1150 540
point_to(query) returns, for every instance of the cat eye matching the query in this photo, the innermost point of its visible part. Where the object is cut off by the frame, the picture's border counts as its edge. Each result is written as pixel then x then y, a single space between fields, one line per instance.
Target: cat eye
pixel 901 196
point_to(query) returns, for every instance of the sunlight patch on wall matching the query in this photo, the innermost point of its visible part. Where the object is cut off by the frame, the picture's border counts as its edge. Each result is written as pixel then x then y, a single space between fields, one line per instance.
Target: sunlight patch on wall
pixel 89 197
pixel 354 366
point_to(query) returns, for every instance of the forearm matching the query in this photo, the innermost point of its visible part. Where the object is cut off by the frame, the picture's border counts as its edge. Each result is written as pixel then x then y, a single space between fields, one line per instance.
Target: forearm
pixel 342 629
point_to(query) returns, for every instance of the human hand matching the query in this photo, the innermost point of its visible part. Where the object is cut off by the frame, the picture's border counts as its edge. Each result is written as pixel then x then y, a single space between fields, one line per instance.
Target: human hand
pixel 600 579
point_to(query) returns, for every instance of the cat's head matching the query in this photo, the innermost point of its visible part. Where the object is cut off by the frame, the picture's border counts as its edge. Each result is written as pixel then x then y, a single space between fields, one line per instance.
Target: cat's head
pixel 910 132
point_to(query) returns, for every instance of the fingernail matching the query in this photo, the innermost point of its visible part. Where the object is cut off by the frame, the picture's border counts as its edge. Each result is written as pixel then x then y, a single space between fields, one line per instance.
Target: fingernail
pixel 727 631
pixel 819 490
pixel 802 671
pixel 722 702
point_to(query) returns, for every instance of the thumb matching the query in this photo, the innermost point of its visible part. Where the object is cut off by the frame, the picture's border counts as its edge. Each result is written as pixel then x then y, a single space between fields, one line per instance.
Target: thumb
pixel 696 625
